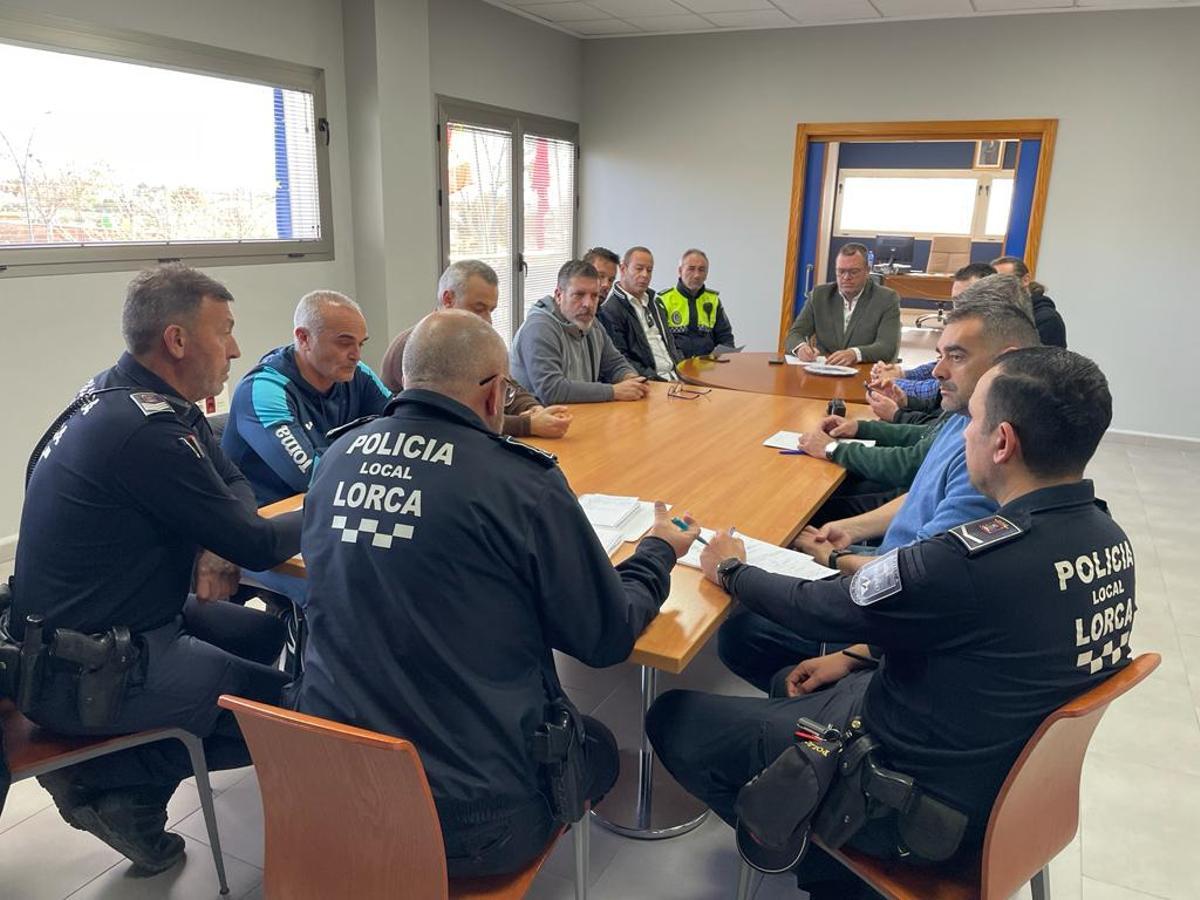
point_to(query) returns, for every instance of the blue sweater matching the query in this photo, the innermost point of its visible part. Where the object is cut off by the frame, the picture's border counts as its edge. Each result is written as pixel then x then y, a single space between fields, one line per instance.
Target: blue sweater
pixel 941 495
pixel 278 422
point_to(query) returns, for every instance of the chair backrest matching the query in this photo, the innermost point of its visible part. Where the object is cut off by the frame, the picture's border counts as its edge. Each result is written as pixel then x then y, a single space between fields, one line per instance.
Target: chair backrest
pixel 948 253
pixel 1036 813
pixel 348 812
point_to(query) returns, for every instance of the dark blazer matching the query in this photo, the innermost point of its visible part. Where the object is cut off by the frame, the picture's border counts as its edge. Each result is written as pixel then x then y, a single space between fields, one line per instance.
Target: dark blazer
pixel 620 314
pixel 874 325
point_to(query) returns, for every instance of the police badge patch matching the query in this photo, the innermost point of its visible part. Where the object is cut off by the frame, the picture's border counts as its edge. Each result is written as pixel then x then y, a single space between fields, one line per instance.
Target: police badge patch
pixel 150 403
pixel 986 532
pixel 676 318
pixel 876 580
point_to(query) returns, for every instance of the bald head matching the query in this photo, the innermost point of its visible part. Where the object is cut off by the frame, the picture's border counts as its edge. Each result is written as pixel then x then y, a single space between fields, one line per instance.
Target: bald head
pixel 450 352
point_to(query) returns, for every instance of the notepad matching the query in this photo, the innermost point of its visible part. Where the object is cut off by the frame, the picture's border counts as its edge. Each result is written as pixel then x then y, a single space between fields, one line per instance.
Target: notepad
pixel 607 510
pixel 610 538
pixel 779 560
pixel 786 440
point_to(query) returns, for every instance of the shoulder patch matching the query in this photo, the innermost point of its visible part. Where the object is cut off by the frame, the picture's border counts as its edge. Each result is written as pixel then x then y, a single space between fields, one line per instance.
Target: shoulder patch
pixel 876 580
pixel 538 455
pixel 987 532
pixel 151 403
pixel 334 433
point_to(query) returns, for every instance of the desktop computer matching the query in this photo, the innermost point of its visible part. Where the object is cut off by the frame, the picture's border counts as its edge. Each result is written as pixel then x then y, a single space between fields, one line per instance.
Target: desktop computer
pixel 893 253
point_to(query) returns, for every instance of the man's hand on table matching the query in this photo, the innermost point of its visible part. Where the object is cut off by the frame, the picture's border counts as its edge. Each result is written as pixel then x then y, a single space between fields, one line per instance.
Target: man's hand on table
pixel 721 546
pixel 216 578
pixel 839 427
pixel 813 443
pixel 632 388
pixel 666 529
pixel 549 421
pixel 842 358
pixel 882 370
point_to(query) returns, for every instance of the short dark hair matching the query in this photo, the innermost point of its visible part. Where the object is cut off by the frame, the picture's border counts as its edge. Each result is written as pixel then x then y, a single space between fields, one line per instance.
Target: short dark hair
pixel 1020 270
pixel 974 270
pixel 169 294
pixel 633 250
pixel 854 249
pixel 575 268
pixel 601 253
pixel 1057 402
pixel 1003 324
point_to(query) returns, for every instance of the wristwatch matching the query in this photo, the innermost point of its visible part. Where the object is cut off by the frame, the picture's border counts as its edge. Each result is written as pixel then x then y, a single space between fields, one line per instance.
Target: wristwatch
pixel 829 448
pixel 725 570
pixel 835 555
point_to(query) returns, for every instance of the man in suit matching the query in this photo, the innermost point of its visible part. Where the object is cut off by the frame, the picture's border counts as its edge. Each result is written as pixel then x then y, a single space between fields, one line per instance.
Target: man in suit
pixel 849 321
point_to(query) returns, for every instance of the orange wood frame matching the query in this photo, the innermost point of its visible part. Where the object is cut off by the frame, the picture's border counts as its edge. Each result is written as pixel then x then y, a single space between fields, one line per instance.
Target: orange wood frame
pixel 1044 130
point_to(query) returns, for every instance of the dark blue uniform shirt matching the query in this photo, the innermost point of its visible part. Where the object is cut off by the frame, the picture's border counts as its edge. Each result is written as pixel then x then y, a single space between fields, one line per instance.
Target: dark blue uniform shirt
pixel 126 494
pixel 278 421
pixel 986 630
pixel 444 563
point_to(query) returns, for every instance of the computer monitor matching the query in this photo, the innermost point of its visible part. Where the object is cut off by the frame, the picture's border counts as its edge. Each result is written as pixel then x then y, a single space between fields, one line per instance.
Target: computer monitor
pixel 893 250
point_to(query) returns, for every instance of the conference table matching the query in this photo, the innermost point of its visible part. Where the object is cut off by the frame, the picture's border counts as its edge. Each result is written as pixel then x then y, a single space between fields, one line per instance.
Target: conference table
pixel 753 372
pixel 702 451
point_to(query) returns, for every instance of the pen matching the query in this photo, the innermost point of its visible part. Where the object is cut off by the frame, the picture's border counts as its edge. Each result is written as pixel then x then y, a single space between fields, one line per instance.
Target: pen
pixel 874 663
pixel 682 526
pixel 791 452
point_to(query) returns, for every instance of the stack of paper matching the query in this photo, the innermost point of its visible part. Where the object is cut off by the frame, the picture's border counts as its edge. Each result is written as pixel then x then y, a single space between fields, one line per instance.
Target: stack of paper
pixel 786 440
pixel 780 560
pixel 607 510
pixel 610 538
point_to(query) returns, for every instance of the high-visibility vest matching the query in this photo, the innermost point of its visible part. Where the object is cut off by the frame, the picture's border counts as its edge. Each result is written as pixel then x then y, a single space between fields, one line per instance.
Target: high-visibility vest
pixel 679 310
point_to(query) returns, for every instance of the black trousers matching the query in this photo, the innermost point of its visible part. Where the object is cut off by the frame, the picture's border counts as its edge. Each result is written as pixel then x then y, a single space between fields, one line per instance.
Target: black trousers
pixel 714 744
pixel 210 649
pixel 755 648
pixel 508 844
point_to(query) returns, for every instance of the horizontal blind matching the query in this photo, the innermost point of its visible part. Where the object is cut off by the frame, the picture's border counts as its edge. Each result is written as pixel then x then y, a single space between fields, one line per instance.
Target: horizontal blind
pixel 549 210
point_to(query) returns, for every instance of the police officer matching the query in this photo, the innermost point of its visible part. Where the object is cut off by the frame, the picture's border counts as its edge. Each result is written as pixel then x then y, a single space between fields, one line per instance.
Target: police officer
pixel 126 490
pixel 695 315
pixel 983 630
pixel 446 561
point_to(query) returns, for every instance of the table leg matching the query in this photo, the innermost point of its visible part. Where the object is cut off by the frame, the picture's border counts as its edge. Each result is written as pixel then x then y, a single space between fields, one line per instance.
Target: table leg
pixel 646 802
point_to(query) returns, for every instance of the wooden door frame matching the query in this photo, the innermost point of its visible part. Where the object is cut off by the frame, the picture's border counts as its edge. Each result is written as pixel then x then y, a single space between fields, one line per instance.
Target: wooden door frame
pixel 1044 130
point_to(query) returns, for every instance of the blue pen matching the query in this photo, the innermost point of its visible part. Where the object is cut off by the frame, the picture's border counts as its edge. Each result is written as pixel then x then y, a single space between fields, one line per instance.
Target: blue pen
pixel 791 453
pixel 682 526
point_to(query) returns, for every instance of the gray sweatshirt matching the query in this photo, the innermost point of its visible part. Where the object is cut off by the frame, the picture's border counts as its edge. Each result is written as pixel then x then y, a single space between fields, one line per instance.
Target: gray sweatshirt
pixel 560 363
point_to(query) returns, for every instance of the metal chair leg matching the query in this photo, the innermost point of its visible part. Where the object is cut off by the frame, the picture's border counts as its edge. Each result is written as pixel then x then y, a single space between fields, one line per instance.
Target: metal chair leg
pixel 583 854
pixel 1039 885
pixel 745 874
pixel 195 749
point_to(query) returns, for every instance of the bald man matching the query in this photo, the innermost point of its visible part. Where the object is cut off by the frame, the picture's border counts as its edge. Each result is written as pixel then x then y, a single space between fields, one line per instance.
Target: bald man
pixel 445 562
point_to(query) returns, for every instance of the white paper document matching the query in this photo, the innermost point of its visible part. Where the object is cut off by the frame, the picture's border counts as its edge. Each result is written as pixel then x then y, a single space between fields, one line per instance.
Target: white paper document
pixel 607 510
pixel 780 560
pixel 610 538
pixel 786 440
pixel 640 522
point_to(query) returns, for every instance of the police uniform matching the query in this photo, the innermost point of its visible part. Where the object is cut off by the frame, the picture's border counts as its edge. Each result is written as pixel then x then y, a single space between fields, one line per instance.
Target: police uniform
pixel 697 322
pixel 985 630
pixel 445 563
pixel 124 495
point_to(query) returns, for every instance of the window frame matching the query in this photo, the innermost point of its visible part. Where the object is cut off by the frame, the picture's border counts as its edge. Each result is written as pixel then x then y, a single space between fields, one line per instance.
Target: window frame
pixel 520 125
pixel 41 32
pixel 982 177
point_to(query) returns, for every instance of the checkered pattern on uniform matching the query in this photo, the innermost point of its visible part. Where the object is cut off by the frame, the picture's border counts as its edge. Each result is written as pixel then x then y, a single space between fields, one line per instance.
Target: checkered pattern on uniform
pixel 1094 662
pixel 379 538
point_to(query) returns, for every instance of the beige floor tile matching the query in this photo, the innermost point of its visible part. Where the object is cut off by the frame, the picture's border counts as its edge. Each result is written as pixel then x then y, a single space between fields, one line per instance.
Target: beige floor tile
pixel 1158 713
pixel 196 878
pixel 1099 890
pixel 1140 823
pixel 25 799
pixel 239 820
pixel 44 858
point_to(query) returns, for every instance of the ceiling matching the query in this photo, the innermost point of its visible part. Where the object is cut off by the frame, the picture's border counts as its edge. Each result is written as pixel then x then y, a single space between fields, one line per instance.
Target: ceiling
pixel 616 18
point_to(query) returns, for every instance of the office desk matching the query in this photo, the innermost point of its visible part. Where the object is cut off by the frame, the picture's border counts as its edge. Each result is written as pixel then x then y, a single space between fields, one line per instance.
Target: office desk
pixel 920 285
pixel 704 456
pixel 751 372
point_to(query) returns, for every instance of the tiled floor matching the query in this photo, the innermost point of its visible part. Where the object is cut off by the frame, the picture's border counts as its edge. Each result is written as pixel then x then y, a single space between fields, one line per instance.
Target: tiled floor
pixel 1141 786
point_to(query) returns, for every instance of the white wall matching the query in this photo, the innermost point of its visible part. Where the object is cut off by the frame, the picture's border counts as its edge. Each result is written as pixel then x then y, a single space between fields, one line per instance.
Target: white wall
pixel 688 140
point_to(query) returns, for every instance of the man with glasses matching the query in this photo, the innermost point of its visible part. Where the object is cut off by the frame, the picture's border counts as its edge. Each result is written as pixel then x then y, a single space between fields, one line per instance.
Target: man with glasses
pixel 852 320
pixel 445 563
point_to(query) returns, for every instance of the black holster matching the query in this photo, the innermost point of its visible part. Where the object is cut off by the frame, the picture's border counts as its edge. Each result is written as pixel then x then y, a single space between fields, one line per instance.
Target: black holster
pixel 558 747
pixel 104 661
pixel 865 789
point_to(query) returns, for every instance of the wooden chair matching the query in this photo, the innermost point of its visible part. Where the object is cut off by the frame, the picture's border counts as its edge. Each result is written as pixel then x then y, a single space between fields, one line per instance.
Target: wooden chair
pixel 32 751
pixel 1035 816
pixel 349 813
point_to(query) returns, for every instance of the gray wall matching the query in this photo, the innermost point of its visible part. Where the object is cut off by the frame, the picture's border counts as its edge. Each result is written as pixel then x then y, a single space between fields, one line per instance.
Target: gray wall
pixel 60 330
pixel 688 140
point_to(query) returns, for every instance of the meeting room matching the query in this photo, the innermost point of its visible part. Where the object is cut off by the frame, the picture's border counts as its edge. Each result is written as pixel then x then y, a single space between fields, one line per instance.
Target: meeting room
pixel 598 448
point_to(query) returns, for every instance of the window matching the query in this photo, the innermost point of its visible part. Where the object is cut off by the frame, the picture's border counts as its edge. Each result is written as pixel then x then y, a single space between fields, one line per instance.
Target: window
pixel 121 150
pixel 923 203
pixel 507 198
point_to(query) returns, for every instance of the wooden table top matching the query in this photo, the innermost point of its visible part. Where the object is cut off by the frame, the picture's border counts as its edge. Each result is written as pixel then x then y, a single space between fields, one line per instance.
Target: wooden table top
pixel 751 372
pixel 703 456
